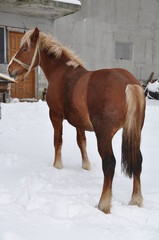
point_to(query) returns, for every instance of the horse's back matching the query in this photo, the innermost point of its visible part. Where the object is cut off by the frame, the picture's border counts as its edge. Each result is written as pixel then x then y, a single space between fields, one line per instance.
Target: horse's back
pixel 114 76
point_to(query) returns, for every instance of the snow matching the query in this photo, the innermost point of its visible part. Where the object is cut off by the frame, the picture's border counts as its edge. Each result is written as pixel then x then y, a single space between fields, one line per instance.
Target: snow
pixel 77 2
pixel 39 202
pixel 153 87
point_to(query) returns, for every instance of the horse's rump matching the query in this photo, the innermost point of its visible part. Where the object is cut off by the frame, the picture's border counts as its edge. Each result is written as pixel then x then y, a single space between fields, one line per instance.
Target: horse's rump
pixel 106 98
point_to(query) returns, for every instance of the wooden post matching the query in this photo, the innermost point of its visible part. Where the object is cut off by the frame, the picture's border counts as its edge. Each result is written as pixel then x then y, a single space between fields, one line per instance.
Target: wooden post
pixel 150 78
pixel 0 111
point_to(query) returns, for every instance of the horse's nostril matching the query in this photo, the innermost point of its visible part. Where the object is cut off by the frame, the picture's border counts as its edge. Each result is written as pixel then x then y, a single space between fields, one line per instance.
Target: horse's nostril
pixel 9 73
pixel 13 75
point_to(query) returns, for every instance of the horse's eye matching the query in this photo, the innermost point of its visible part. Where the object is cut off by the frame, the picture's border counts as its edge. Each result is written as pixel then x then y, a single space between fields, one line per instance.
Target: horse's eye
pixel 25 49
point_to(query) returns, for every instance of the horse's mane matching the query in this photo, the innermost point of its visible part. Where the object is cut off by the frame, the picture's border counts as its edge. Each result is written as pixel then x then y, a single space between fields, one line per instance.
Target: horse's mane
pixel 52 46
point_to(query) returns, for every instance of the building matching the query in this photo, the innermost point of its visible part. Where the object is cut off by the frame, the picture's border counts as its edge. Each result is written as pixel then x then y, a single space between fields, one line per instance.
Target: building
pixel 114 33
pixel 104 33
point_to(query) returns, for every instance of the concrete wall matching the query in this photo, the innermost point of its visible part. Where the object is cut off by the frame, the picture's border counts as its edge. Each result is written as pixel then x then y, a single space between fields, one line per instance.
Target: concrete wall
pixel 93 31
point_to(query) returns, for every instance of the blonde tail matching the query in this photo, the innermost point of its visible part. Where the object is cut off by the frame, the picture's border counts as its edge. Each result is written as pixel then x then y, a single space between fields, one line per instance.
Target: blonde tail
pixel 131 155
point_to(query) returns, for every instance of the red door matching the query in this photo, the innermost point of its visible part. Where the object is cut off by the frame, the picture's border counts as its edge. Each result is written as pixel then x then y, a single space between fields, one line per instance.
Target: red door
pixel 25 89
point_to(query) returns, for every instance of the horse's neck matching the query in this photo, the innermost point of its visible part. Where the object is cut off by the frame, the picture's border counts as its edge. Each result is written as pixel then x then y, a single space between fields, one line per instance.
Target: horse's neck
pixel 47 65
pixel 55 70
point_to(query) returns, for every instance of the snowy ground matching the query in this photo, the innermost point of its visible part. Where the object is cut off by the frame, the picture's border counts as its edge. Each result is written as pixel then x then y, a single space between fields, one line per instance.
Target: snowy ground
pixel 38 202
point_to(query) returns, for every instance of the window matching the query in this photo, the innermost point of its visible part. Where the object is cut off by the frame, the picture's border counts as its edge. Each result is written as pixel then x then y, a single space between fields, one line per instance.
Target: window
pixel 2 47
pixel 123 51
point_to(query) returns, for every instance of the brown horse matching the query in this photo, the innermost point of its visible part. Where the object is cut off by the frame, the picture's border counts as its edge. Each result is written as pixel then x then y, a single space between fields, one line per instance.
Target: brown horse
pixel 102 101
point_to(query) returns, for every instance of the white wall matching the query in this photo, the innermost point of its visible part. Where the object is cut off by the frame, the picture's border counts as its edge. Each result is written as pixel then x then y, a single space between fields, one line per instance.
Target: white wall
pixel 93 31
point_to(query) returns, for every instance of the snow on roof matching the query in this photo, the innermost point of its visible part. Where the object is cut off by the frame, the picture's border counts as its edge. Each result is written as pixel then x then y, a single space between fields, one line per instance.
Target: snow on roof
pixel 77 2
pixel 3 76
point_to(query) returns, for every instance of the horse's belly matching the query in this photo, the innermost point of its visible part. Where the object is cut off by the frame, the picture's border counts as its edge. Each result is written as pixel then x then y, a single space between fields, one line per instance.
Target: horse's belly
pixel 78 115
pixel 80 121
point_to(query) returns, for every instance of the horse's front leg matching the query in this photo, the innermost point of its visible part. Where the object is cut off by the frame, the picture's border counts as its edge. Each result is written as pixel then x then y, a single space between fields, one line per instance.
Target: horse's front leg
pixel 57 124
pixel 81 141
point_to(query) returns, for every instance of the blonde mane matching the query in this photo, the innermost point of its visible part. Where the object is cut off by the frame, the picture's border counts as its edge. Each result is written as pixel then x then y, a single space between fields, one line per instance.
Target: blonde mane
pixel 52 46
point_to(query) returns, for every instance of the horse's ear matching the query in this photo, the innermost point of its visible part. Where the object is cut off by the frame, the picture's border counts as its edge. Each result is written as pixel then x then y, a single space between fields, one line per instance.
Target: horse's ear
pixel 35 35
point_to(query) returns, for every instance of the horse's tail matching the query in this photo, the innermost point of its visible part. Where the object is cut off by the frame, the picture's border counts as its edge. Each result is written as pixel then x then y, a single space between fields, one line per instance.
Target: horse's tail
pixel 131 155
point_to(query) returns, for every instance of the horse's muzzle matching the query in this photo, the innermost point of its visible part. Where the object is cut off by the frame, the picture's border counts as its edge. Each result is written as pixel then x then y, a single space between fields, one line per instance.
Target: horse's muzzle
pixel 13 75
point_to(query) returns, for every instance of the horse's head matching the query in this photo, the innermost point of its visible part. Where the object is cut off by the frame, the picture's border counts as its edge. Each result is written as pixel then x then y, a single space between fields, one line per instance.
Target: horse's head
pixel 27 57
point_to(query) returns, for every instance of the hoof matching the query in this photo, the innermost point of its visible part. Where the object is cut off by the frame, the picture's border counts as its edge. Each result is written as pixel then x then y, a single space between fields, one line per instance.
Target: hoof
pixel 86 166
pixel 105 209
pixel 58 165
pixel 136 201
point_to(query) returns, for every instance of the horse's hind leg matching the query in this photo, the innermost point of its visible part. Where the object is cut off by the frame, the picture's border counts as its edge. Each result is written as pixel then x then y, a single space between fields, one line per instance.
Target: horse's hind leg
pixel 136 194
pixel 57 124
pixel 81 141
pixel 108 165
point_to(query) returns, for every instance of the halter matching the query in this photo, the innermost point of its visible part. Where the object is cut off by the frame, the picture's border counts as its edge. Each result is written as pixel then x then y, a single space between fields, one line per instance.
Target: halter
pixel 24 65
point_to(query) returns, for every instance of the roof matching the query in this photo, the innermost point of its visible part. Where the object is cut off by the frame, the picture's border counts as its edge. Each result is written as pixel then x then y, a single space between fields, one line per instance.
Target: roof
pixel 49 9
pixel 5 78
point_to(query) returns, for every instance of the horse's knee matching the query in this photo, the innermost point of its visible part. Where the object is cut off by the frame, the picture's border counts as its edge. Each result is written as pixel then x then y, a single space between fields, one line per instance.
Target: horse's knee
pixel 81 139
pixel 57 139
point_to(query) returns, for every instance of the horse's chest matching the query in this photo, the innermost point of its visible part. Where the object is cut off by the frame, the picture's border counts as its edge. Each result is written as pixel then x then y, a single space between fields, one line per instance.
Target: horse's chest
pixel 55 99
